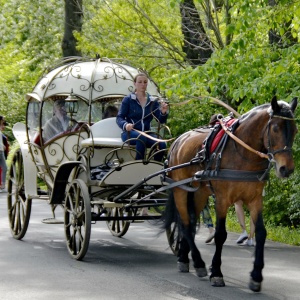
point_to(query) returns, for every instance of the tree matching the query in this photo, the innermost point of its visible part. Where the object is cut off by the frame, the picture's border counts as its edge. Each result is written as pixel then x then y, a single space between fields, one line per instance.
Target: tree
pixel 196 43
pixel 73 22
pixel 136 30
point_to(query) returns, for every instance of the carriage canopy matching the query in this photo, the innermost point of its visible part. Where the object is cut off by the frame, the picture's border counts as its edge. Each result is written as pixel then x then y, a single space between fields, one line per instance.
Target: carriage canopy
pixel 93 83
pixel 90 79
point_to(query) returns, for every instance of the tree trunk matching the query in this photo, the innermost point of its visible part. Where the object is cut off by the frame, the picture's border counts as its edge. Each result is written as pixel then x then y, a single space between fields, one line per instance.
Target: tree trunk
pixel 228 21
pixel 73 21
pixel 197 45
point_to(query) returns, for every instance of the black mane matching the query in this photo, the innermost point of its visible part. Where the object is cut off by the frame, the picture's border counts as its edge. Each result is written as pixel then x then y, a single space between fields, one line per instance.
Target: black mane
pixel 254 111
pixel 285 111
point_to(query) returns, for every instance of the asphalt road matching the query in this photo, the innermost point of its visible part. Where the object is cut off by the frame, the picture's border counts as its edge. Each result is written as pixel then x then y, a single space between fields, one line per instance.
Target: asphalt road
pixel 138 266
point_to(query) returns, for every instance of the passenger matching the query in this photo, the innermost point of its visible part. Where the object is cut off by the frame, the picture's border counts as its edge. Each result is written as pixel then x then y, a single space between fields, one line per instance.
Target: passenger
pixel 136 112
pixel 110 112
pixel 244 239
pixel 208 223
pixel 5 141
pixel 3 165
pixel 59 123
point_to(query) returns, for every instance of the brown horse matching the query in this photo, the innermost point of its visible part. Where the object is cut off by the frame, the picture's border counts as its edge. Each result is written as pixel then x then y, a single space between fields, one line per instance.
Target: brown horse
pixel 235 171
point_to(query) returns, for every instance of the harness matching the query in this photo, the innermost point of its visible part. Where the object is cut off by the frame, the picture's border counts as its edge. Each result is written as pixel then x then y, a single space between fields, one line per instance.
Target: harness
pixel 211 154
pixel 216 141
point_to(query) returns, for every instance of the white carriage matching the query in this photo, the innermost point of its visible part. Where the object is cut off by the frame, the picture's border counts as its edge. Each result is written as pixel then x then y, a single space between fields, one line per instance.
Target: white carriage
pixel 86 167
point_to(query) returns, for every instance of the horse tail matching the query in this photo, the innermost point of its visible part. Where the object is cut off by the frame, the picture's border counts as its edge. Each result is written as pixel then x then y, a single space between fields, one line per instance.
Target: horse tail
pixel 170 214
pixel 194 220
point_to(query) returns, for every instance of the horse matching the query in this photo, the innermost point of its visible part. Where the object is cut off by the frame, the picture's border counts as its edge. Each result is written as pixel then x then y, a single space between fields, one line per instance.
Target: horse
pixel 237 170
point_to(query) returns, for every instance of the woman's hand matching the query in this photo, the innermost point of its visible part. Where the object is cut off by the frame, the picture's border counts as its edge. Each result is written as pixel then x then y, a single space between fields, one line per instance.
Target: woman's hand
pixel 164 108
pixel 129 127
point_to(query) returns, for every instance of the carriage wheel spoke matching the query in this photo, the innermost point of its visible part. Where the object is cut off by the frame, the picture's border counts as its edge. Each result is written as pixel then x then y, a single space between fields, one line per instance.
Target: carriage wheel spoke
pixel 77 218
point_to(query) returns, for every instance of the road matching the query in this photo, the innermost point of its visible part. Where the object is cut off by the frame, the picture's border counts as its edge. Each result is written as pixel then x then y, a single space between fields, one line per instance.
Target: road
pixel 138 266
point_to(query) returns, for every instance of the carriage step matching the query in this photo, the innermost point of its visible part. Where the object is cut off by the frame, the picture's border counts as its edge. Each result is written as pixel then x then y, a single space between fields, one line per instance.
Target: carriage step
pixel 52 221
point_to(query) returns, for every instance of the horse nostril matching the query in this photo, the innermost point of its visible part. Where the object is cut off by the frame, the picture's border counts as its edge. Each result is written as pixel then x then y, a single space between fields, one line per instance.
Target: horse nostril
pixel 285 172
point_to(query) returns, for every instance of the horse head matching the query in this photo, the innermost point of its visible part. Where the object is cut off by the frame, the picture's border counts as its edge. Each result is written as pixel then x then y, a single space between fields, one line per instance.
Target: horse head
pixel 280 135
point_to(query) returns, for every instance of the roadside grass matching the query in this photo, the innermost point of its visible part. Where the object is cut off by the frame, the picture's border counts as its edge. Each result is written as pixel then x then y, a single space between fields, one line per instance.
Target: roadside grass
pixel 285 235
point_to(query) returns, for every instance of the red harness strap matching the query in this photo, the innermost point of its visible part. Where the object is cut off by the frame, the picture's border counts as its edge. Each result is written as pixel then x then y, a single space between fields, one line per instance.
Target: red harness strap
pixel 219 135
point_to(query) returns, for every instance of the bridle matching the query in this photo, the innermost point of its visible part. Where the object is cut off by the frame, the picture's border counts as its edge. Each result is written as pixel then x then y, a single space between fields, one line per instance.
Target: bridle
pixel 285 148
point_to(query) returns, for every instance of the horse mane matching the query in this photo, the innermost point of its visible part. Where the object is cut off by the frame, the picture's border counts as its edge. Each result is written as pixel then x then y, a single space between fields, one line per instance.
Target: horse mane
pixel 254 111
pixel 285 111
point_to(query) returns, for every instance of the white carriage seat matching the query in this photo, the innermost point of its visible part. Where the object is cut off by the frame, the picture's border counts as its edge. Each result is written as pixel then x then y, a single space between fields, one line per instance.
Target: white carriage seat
pixel 105 133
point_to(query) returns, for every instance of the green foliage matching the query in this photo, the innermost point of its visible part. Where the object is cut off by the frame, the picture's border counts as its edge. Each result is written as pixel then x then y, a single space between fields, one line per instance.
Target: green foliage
pixel 249 70
pixel 123 29
pixel 282 203
pixel 30 38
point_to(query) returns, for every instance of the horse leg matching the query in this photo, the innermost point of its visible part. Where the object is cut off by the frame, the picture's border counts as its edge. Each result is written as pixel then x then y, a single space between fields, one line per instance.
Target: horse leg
pixel 183 256
pixel 188 228
pixel 260 236
pixel 187 243
pixel 216 277
pixel 184 248
pixel 199 264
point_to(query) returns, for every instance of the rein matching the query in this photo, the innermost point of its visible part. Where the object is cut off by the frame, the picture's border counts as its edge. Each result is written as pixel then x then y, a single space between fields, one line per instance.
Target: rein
pixel 152 137
pixel 270 155
pixel 214 100
pixel 227 131
pixel 151 113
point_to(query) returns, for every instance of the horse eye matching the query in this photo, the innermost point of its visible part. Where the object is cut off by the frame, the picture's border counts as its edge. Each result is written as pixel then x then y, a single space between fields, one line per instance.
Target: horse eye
pixel 275 128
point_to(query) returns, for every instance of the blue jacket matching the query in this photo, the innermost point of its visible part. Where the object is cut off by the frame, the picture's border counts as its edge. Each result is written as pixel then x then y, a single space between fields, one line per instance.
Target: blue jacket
pixel 132 112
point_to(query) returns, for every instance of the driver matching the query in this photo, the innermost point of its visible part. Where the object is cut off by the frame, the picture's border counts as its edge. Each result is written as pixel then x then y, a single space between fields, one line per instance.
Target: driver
pixel 59 123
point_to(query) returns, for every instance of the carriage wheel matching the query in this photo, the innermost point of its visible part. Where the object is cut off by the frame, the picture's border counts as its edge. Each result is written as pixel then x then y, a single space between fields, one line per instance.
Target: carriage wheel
pixel 77 220
pixel 118 227
pixel 173 237
pixel 19 207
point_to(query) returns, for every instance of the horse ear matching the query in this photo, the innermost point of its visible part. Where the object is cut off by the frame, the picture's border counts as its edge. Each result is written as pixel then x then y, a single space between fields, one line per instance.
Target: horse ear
pixel 294 103
pixel 275 105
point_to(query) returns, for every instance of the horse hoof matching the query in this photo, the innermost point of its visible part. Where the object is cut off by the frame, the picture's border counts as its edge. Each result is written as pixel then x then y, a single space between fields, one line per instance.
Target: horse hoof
pixel 217 281
pixel 183 267
pixel 254 285
pixel 201 272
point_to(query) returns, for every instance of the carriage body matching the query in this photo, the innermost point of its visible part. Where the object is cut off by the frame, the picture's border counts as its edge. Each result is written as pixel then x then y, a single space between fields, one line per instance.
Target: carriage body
pixel 87 165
